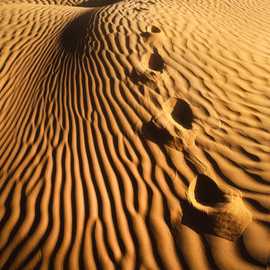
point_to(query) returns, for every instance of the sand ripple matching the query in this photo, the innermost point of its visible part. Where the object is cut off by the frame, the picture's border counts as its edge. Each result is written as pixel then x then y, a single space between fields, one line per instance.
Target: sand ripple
pixel 108 112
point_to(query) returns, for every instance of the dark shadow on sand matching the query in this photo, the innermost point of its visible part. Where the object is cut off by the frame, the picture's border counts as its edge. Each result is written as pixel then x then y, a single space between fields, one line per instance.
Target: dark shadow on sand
pixel 97 3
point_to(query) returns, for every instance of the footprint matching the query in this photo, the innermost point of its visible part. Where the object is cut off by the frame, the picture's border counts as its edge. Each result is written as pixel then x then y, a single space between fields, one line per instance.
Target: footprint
pixel 166 127
pixel 154 30
pixel 207 192
pixel 182 113
pixel 156 62
pixel 219 211
pixel 144 78
pixel 156 132
pixel 146 35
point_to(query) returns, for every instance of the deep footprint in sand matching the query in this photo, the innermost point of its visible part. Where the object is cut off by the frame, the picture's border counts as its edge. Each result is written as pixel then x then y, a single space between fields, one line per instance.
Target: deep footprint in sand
pixel 220 210
pixel 155 29
pixel 154 37
pixel 151 35
pixel 146 78
pixel 156 61
pixel 182 113
pixel 170 125
pixel 161 135
pixel 152 131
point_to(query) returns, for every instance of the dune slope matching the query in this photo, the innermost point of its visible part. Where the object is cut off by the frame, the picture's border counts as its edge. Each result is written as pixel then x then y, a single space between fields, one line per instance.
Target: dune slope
pixel 112 112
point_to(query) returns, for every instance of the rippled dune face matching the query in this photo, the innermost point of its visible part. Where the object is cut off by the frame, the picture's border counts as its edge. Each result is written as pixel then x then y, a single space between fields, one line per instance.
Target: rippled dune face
pixel 134 134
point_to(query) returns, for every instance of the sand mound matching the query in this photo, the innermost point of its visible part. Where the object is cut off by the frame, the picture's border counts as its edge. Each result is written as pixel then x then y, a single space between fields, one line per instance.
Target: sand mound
pixel 113 115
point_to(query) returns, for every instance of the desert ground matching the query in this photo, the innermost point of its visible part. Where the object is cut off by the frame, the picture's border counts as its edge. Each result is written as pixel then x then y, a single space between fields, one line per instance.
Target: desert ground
pixel 135 134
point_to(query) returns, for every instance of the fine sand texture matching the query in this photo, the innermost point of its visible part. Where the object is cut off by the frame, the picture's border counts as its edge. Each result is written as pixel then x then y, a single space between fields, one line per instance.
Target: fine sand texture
pixel 135 134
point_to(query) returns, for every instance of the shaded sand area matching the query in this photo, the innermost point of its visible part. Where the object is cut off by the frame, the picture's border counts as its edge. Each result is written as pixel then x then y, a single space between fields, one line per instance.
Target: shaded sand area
pixel 135 134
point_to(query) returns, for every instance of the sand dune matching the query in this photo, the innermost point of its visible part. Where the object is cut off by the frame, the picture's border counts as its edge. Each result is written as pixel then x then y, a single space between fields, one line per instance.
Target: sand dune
pixel 134 134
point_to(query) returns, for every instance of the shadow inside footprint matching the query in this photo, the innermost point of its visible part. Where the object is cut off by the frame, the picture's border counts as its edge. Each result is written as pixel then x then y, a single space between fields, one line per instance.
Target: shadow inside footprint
pixel 207 191
pixel 137 77
pixel 155 29
pixel 156 62
pixel 215 209
pixel 146 35
pixel 156 134
pixel 195 219
pixel 147 79
pixel 182 114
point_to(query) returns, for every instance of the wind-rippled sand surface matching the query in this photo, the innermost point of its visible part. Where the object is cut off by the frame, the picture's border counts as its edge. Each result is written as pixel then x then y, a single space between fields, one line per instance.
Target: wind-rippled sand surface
pixel 109 110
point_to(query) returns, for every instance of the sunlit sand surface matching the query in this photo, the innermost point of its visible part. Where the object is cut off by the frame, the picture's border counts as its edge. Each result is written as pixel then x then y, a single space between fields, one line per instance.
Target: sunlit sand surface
pixel 135 134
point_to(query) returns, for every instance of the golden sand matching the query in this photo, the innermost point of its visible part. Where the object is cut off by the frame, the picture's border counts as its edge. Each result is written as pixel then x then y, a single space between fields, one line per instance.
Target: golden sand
pixel 135 134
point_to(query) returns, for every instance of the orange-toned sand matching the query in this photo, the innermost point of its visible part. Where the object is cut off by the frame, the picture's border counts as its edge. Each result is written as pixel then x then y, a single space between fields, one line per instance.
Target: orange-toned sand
pixel 135 134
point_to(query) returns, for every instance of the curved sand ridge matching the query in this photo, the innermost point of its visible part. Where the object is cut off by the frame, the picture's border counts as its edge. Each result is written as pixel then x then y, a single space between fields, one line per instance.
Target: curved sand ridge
pixel 108 115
